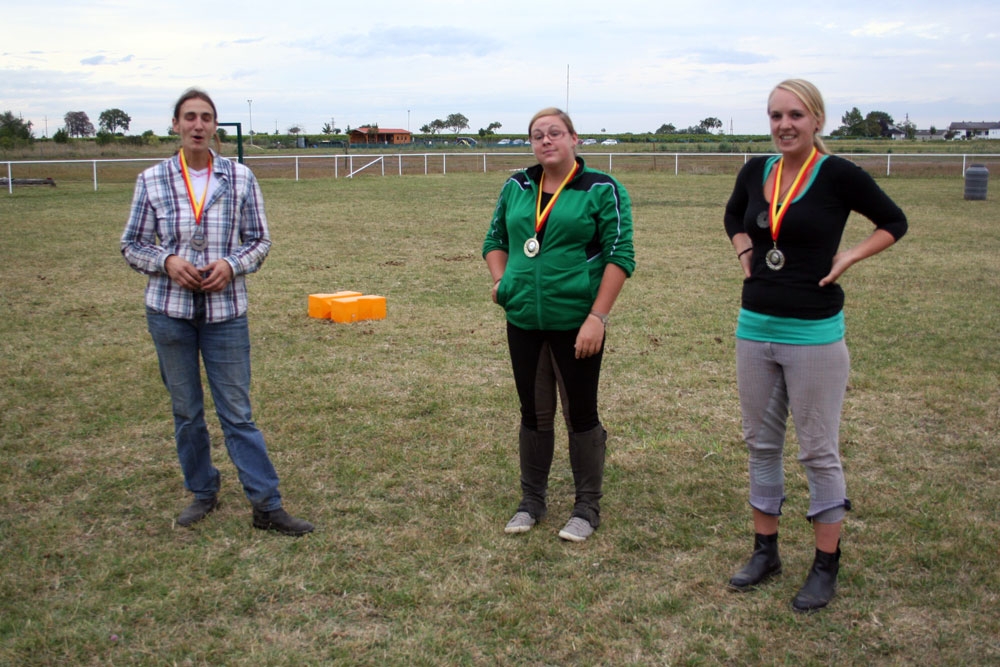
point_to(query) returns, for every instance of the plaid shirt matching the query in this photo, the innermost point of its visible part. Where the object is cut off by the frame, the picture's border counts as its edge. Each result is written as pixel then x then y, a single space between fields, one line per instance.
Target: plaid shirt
pixel 161 224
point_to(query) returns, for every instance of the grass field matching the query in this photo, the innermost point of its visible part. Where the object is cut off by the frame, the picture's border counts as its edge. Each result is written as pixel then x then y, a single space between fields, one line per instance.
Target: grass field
pixel 398 439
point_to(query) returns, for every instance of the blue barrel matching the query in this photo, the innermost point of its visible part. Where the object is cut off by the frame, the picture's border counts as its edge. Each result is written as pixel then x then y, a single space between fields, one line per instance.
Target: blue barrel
pixel 977 177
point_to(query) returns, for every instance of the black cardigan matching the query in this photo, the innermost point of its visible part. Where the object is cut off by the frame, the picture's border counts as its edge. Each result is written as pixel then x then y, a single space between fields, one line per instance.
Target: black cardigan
pixel 809 237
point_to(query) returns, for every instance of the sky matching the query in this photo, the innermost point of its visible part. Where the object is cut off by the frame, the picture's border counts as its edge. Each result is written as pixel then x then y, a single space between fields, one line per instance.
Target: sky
pixel 616 67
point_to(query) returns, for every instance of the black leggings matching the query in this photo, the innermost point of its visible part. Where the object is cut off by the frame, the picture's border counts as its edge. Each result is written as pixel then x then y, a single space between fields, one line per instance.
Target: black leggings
pixel 544 361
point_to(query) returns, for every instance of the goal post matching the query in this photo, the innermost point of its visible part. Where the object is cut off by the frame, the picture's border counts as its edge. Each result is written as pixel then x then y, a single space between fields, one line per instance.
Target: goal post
pixel 239 139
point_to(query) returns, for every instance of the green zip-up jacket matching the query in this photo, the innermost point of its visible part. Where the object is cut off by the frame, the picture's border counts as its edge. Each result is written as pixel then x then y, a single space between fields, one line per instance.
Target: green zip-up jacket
pixel 589 227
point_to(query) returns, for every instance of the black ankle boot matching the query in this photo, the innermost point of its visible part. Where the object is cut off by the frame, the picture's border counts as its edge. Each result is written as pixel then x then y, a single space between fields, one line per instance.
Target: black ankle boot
pixel 821 584
pixel 197 510
pixel 763 564
pixel 280 521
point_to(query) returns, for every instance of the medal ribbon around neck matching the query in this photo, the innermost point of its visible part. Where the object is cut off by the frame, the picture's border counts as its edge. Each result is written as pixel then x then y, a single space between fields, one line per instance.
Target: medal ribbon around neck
pixel 541 217
pixel 776 215
pixel 196 205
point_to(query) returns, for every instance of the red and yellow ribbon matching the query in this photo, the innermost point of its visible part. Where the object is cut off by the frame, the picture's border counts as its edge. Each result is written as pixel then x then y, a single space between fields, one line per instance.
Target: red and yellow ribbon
pixel 541 217
pixel 197 205
pixel 778 215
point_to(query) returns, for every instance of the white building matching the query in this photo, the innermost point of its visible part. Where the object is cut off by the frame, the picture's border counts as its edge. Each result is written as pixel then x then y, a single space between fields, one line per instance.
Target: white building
pixel 981 130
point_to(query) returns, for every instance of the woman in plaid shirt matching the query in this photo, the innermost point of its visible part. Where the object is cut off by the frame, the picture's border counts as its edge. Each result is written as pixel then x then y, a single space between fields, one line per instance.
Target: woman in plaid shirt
pixel 196 228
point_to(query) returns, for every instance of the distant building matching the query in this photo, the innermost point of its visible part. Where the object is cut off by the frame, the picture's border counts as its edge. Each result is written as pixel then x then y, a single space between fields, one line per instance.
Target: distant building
pixel 925 135
pixel 981 130
pixel 893 132
pixel 380 135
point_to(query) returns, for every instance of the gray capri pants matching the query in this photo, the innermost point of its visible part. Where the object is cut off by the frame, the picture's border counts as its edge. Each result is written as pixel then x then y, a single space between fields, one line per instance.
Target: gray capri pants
pixel 810 381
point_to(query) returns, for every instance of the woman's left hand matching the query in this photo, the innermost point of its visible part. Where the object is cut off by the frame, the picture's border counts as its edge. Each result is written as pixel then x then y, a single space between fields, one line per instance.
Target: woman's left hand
pixel 216 275
pixel 590 338
pixel 840 264
pixel 874 244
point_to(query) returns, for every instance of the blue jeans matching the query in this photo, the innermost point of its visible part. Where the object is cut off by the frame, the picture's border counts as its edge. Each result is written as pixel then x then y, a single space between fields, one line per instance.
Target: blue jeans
pixel 225 349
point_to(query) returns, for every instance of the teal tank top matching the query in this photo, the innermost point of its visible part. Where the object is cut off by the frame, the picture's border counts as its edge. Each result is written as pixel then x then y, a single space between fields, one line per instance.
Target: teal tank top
pixel 789 330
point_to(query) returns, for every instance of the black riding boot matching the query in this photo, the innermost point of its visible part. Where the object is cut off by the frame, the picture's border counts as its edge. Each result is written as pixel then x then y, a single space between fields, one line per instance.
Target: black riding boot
pixel 535 450
pixel 586 457
pixel 763 564
pixel 821 584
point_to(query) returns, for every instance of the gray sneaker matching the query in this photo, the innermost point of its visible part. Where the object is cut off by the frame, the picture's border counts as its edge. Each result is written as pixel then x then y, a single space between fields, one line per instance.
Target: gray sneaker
pixel 576 530
pixel 519 523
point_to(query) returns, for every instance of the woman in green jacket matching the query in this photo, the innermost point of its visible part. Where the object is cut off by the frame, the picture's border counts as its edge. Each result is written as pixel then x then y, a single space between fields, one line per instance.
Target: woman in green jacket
pixel 559 248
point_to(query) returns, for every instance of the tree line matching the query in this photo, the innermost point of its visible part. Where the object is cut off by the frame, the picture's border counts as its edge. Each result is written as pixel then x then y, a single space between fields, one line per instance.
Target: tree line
pixel 77 123
pixel 15 131
pixel 704 127
pixel 873 125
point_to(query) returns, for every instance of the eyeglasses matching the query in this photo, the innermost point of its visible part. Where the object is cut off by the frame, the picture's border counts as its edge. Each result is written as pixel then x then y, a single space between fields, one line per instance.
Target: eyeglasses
pixel 554 134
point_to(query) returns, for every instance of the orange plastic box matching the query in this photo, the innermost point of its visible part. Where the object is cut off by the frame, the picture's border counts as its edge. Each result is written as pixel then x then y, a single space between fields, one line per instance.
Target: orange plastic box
pixel 344 309
pixel 319 304
pixel 372 307
pixel 357 308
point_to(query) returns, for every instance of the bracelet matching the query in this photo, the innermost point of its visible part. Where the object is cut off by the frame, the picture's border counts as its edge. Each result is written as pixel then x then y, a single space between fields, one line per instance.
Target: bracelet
pixel 744 252
pixel 603 317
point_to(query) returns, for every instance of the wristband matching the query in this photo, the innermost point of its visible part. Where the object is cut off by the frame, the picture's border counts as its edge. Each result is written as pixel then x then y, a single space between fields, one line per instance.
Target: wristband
pixel 744 252
pixel 601 316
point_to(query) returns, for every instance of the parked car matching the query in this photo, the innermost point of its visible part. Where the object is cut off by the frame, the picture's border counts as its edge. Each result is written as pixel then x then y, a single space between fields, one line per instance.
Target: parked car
pixel 609 142
pixel 503 142
pixel 589 142
pixel 517 142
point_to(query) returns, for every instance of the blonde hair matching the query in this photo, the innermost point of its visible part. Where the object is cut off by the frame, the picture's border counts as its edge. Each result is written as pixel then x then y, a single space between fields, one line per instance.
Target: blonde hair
pixel 552 111
pixel 810 96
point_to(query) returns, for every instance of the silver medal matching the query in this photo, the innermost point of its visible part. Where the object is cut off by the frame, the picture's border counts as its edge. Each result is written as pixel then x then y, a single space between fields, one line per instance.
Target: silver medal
pixel 531 247
pixel 775 259
pixel 198 241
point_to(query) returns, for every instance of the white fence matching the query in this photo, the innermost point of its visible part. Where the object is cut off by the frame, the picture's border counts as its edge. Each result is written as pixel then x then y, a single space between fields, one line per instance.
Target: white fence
pixel 400 164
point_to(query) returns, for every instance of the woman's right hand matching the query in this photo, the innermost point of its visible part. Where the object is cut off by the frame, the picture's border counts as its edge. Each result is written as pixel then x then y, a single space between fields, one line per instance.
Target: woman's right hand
pixel 743 247
pixel 183 272
pixel 496 261
pixel 745 263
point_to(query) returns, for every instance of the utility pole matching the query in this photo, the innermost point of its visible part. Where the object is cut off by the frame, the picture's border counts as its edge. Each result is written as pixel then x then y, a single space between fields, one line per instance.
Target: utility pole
pixel 567 89
pixel 250 104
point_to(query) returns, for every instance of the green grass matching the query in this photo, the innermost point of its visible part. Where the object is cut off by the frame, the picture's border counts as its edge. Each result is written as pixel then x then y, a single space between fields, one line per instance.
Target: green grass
pixel 398 439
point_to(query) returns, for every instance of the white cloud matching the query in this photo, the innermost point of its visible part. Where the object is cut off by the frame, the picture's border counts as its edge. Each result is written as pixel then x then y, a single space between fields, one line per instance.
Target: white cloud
pixel 878 29
pixel 632 65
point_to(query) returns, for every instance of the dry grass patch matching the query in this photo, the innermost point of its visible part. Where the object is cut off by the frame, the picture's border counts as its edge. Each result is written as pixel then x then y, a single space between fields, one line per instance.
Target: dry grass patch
pixel 398 438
